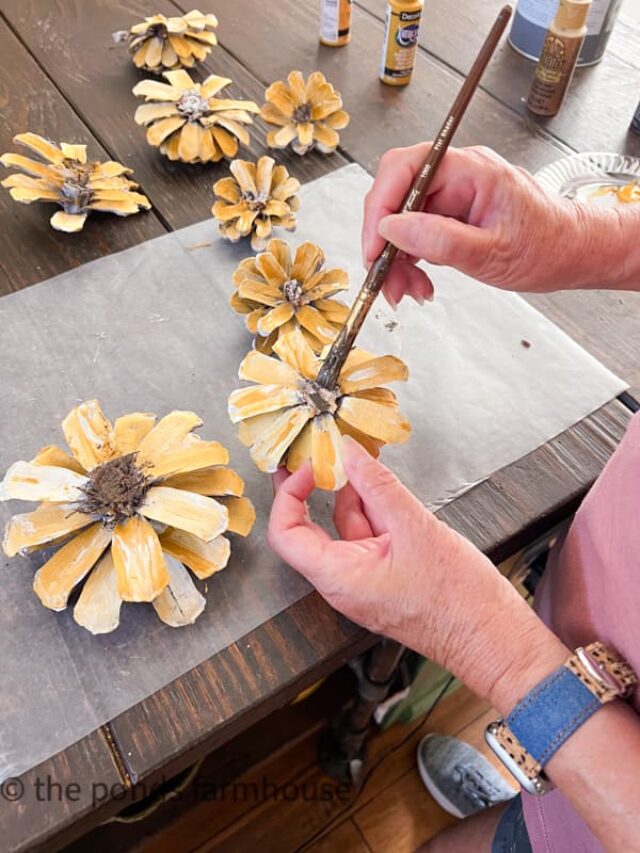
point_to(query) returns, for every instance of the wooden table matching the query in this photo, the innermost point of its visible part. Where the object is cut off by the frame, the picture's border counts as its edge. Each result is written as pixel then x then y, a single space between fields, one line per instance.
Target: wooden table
pixel 60 75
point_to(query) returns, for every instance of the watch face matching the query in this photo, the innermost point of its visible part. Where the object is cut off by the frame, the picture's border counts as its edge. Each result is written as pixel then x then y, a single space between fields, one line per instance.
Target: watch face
pixel 536 785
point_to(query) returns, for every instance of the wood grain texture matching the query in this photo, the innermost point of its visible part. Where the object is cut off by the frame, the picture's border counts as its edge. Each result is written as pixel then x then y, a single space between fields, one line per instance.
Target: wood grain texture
pixel 381 116
pixel 32 250
pixel 600 104
pixel 72 41
pixel 61 798
pixel 345 838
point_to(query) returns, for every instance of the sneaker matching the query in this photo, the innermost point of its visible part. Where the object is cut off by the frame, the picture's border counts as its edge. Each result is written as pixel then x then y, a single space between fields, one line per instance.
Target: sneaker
pixel 458 777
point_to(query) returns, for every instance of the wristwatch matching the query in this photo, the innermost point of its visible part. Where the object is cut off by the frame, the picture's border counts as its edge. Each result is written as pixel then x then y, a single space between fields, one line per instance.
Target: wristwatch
pixel 542 721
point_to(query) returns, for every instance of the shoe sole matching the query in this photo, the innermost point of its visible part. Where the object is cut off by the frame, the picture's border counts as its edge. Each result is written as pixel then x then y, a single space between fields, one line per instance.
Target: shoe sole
pixel 433 789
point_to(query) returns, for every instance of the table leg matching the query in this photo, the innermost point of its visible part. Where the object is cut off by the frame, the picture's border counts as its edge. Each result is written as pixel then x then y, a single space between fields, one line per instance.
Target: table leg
pixel 342 746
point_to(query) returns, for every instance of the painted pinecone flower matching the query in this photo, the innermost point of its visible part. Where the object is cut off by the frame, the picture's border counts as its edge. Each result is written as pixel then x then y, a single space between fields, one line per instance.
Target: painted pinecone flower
pixel 137 500
pixel 308 114
pixel 278 293
pixel 67 179
pixel 188 122
pixel 258 198
pixel 159 42
pixel 286 418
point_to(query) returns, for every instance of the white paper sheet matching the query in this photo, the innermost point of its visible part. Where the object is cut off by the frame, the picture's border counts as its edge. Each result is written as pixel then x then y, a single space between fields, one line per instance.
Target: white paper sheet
pixel 149 329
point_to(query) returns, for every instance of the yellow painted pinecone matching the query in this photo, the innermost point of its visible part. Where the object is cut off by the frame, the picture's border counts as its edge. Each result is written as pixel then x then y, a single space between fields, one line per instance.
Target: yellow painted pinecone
pixel 132 505
pixel 259 197
pixel 66 178
pixel 286 418
pixel 188 122
pixel 308 114
pixel 159 43
pixel 278 293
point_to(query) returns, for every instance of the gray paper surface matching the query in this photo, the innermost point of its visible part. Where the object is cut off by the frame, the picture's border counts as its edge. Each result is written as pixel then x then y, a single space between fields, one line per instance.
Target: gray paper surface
pixel 149 329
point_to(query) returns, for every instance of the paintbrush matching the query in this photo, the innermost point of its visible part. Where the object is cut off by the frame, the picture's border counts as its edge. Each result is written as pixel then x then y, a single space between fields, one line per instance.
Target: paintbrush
pixel 335 358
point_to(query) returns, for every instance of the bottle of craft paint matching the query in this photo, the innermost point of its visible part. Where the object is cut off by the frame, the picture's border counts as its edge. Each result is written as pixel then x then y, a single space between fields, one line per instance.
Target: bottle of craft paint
pixel 635 123
pixel 559 57
pixel 335 22
pixel 533 17
pixel 400 41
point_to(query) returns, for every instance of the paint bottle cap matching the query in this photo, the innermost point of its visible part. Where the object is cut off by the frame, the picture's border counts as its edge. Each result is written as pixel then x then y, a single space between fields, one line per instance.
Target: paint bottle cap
pixel 572 14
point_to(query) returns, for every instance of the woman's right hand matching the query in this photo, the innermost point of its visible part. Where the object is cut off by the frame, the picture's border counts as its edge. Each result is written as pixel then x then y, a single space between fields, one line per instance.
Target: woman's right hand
pixel 486 218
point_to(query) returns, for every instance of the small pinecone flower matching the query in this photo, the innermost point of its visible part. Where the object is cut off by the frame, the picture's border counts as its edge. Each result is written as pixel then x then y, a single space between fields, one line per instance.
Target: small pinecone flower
pixel 278 293
pixel 188 122
pixel 258 198
pixel 308 114
pixel 63 176
pixel 133 506
pixel 287 418
pixel 159 43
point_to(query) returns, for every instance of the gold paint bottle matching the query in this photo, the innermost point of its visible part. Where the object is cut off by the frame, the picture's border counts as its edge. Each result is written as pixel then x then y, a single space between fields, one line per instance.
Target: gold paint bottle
pixel 335 22
pixel 559 56
pixel 400 41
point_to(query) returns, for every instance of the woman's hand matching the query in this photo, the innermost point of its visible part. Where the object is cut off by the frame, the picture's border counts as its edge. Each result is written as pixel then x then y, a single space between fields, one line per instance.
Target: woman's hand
pixel 401 572
pixel 492 221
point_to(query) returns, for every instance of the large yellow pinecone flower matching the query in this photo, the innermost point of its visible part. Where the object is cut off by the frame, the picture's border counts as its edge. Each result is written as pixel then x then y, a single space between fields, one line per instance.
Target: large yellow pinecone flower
pixel 256 199
pixel 277 293
pixel 308 114
pixel 66 178
pixel 159 42
pixel 188 122
pixel 137 500
pixel 286 418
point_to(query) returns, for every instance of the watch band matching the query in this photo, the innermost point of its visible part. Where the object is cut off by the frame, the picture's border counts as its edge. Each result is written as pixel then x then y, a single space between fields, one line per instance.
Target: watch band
pixel 539 725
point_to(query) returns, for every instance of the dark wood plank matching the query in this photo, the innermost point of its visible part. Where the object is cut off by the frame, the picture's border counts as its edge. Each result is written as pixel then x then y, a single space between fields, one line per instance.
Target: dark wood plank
pixel 598 110
pixel 72 41
pixel 237 687
pixel 345 837
pixel 381 116
pixel 61 798
pixel 31 249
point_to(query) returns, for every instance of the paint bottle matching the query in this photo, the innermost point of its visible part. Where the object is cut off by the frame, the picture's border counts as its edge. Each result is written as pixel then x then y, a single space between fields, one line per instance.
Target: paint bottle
pixel 335 22
pixel 400 41
pixel 559 57
pixel 533 17
pixel 635 122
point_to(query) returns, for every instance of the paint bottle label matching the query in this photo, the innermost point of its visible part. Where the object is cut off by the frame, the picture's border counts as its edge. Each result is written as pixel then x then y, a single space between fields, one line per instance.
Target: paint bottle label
pixel 553 74
pixel 335 22
pixel 533 17
pixel 402 29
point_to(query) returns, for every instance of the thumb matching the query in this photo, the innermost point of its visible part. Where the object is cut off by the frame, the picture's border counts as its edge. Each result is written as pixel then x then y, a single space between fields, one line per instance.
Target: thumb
pixel 384 498
pixel 439 239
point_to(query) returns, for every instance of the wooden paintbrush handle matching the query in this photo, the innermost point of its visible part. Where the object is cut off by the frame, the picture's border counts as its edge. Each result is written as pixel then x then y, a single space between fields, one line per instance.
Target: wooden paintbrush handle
pixel 415 199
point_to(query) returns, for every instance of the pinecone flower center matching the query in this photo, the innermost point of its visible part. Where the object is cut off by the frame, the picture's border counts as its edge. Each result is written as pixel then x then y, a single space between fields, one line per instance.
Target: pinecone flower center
pixel 193 106
pixel 115 490
pixel 302 114
pixel 292 290
pixel 319 398
pixel 75 191
pixel 254 201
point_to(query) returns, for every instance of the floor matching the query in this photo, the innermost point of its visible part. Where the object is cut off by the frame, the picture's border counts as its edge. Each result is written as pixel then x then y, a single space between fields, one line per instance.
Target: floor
pixel 391 812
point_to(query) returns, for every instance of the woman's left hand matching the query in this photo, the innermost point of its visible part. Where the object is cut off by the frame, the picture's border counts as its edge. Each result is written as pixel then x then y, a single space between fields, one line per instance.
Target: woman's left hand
pixel 401 572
